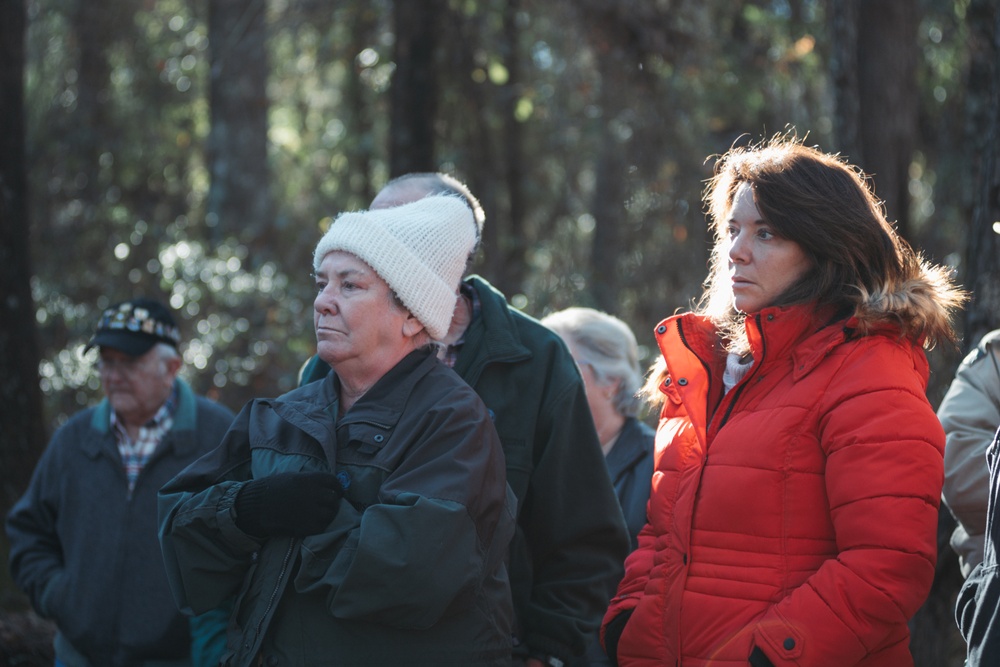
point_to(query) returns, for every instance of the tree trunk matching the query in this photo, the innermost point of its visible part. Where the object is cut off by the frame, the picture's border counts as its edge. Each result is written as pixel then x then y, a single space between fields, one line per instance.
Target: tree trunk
pixel 887 59
pixel 359 122
pixel 21 421
pixel 609 193
pixel 515 168
pixel 93 26
pixel 982 273
pixel 873 68
pixel 239 197
pixel 935 639
pixel 843 21
pixel 413 95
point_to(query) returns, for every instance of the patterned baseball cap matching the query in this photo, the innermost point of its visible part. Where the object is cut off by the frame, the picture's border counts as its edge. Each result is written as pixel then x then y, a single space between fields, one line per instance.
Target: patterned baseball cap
pixel 136 326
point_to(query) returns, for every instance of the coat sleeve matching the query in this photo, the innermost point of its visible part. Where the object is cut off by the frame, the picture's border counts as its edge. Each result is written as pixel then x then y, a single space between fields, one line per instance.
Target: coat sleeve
pixel 36 556
pixel 574 525
pixel 884 471
pixel 637 568
pixel 441 525
pixel 205 554
pixel 970 415
pixel 977 610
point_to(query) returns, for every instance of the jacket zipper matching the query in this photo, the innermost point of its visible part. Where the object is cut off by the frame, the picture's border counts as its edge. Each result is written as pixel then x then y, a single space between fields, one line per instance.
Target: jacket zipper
pixel 739 390
pixel 274 591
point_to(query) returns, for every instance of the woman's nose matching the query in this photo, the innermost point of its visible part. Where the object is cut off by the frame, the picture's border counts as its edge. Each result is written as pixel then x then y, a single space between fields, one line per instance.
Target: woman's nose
pixel 739 250
pixel 324 302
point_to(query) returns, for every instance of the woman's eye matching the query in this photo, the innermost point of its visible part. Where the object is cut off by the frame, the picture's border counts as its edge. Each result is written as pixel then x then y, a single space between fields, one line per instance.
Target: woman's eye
pixel 765 234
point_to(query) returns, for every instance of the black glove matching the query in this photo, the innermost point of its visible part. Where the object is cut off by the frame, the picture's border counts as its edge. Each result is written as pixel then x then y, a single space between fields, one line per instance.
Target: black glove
pixel 613 633
pixel 291 504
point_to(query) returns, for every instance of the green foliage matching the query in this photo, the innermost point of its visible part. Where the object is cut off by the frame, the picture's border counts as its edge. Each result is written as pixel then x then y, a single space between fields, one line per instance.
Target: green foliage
pixel 119 175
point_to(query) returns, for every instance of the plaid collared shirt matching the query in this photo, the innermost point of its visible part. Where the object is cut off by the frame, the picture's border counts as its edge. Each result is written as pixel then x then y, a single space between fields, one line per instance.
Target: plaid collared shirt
pixel 135 454
pixel 450 353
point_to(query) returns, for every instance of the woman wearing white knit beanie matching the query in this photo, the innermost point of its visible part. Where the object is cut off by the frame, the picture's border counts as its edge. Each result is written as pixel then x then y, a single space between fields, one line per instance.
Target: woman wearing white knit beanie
pixel 373 503
pixel 419 249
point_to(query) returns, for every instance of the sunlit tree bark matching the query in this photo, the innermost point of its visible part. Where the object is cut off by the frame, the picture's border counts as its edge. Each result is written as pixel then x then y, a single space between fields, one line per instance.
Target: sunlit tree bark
pixel 873 68
pixel 887 57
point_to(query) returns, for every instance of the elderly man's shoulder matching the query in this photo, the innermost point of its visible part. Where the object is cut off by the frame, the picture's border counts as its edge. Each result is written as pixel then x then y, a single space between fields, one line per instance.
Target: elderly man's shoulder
pixel 214 409
pixel 544 345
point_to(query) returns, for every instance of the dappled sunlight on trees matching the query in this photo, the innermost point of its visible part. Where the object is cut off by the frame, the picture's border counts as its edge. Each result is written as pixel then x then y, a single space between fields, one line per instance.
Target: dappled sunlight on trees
pixel 585 127
pixel 617 108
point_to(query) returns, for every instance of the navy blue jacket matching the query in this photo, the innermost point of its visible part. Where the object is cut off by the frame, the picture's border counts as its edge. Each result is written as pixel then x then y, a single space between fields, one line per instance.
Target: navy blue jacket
pixel 87 553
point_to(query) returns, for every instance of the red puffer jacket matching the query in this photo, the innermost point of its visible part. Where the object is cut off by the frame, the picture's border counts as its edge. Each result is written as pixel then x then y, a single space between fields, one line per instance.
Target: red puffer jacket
pixel 797 514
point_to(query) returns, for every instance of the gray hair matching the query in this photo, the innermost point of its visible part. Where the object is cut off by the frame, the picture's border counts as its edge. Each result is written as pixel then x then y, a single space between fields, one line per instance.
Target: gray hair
pixel 166 352
pixel 416 185
pixel 608 346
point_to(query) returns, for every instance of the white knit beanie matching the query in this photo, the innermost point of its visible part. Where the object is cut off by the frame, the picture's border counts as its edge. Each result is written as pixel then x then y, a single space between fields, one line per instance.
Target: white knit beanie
pixel 419 249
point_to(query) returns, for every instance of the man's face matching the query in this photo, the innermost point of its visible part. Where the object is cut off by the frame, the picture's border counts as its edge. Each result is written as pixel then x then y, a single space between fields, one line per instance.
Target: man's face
pixel 136 387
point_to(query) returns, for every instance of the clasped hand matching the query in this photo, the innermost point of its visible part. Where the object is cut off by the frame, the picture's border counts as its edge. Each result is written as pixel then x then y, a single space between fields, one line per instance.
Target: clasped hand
pixel 289 504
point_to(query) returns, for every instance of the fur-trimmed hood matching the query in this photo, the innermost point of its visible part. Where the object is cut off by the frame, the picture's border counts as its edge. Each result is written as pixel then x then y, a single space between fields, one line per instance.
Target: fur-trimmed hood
pixel 922 307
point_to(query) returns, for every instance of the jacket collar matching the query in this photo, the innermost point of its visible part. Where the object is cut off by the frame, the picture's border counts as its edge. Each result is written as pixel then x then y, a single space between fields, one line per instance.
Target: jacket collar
pixel 494 335
pixel 185 419
pixel 383 404
pixel 802 331
pixel 315 411
pixel 632 446
pixel 314 407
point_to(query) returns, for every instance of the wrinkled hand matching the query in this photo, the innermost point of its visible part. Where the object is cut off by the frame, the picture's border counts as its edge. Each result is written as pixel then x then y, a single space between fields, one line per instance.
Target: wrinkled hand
pixel 290 504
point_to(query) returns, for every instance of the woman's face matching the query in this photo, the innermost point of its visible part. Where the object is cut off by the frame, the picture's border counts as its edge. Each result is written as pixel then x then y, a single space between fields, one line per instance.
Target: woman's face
pixel 600 393
pixel 762 265
pixel 354 315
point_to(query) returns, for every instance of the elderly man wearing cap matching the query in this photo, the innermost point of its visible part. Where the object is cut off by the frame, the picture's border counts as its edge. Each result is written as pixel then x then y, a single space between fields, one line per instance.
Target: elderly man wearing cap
pixel 364 519
pixel 83 537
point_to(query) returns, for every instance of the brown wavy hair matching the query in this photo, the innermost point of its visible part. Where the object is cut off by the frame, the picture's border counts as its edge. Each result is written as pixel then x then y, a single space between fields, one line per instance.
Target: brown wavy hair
pixel 860 265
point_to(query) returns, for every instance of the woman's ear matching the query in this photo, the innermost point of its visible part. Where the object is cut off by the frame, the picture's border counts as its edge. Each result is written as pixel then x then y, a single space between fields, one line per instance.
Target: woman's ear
pixel 412 326
pixel 611 388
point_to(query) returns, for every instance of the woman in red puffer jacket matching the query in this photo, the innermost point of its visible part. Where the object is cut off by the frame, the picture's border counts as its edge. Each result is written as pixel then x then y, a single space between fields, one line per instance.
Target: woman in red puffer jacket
pixel 794 504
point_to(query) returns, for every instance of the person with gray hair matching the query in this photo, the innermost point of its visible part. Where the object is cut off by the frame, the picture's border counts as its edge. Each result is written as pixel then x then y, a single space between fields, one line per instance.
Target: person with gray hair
pixel 83 536
pixel 364 519
pixel 606 351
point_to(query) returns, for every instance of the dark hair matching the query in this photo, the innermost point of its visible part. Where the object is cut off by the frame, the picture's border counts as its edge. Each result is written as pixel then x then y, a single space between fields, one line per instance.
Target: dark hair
pixel 824 205
pixel 860 266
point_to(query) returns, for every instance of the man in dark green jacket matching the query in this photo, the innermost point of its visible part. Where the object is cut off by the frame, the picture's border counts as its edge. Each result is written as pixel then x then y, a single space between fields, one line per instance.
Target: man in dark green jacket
pixel 571 542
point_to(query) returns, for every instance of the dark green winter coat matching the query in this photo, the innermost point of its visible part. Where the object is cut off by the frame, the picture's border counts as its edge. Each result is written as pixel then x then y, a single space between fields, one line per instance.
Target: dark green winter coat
pixel 571 542
pixel 411 569
pixel 84 549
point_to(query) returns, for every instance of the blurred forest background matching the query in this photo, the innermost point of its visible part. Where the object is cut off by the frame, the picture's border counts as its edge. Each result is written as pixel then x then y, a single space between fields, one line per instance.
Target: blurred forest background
pixel 194 150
